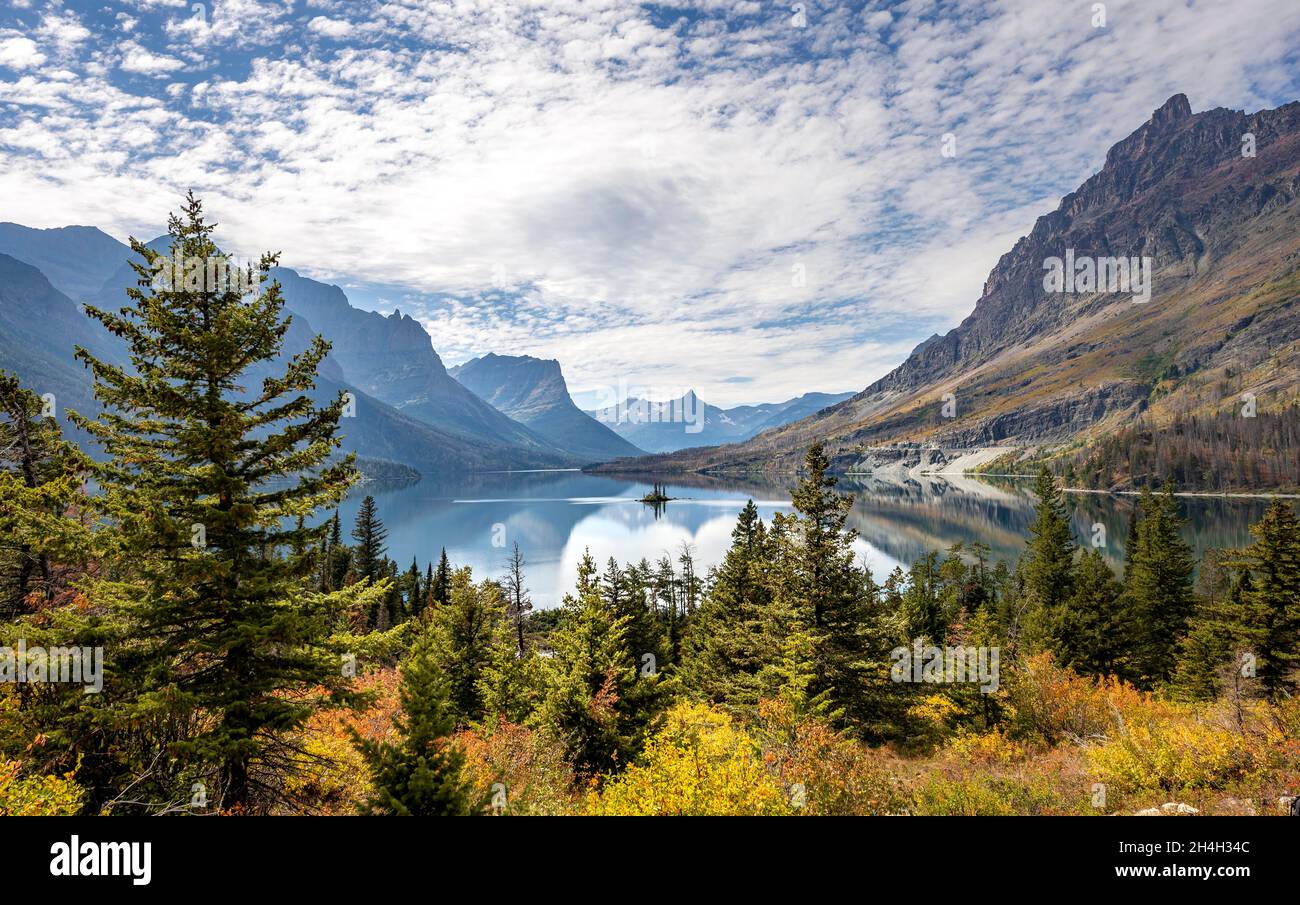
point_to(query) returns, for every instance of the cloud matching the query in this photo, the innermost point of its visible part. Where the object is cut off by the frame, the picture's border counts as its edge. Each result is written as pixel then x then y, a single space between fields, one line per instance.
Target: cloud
pixel 675 195
pixel 18 52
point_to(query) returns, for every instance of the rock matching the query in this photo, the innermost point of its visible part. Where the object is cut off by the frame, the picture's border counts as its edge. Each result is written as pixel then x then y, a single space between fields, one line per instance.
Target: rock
pixel 1177 807
pixel 1148 812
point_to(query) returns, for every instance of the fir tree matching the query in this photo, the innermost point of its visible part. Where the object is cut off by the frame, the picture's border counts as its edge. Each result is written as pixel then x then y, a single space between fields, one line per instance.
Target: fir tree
pixel 1047 565
pixel 1158 589
pixel 213 444
pixel 370 534
pixel 726 647
pixel 419 773
pixel 1267 616
pixel 40 478
pixel 440 586
pixel 1093 632
pixel 464 632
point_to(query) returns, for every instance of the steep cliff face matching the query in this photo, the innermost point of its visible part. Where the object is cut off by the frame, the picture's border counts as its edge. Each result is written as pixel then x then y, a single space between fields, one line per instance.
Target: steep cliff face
pixel 393 358
pixel 533 392
pixel 1218 229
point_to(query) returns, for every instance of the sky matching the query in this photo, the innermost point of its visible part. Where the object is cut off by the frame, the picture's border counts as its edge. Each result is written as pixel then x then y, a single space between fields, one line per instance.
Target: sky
pixel 751 199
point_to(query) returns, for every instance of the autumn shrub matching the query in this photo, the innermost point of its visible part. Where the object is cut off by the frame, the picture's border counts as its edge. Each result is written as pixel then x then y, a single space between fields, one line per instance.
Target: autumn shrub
pixel 700 763
pixel 822 771
pixel 1050 703
pixel 330 776
pixel 40 795
pixel 985 795
pixel 518 770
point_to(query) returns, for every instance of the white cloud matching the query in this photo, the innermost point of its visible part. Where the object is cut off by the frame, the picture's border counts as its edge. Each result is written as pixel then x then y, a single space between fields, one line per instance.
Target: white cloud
pixel 18 52
pixel 649 184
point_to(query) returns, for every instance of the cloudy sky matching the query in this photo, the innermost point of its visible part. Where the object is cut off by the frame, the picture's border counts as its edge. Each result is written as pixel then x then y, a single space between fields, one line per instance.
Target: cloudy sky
pixel 748 198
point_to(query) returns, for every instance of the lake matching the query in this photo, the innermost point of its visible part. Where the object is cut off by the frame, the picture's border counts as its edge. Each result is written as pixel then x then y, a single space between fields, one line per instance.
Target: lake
pixel 555 515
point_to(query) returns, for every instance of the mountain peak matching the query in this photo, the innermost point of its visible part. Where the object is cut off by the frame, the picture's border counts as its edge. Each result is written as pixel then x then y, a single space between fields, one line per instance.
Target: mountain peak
pixel 1174 110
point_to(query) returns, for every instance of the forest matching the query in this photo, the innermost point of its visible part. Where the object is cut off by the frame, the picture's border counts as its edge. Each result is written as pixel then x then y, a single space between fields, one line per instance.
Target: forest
pixel 261 657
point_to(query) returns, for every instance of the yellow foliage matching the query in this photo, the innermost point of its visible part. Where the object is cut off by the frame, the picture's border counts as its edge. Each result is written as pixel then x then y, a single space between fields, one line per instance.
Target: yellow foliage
pixel 700 763
pixel 993 747
pixel 38 796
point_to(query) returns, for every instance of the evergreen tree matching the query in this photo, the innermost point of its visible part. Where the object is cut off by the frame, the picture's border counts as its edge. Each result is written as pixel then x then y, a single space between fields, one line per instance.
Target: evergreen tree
pixel 464 632
pixel 590 677
pixel 40 478
pixel 1158 589
pixel 832 602
pixel 1093 632
pixel 1047 564
pixel 440 587
pixel 228 644
pixel 1267 617
pixel 370 534
pixel 726 647
pixel 419 773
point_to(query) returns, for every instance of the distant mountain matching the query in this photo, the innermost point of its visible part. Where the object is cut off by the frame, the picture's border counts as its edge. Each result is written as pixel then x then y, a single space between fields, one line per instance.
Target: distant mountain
pixel 532 391
pixel 393 359
pixel 75 259
pixel 1212 201
pixel 688 422
pixel 40 325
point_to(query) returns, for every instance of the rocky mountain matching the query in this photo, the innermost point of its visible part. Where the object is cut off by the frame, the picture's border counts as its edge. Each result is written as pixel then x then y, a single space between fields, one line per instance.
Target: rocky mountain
pixel 533 392
pixel 688 422
pixel 393 358
pixel 40 324
pixel 1206 206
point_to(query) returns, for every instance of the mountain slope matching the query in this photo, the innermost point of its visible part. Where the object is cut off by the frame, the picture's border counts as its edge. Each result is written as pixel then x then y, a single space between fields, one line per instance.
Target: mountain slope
pixel 39 326
pixel 75 259
pixel 1029 366
pixel 533 392
pixel 393 359
pixel 688 422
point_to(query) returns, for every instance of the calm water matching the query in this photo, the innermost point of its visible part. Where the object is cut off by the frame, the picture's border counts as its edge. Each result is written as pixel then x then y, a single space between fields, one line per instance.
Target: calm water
pixel 555 515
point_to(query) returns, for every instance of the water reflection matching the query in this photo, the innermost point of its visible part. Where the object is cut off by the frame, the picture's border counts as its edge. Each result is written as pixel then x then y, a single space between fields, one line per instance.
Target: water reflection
pixel 556 515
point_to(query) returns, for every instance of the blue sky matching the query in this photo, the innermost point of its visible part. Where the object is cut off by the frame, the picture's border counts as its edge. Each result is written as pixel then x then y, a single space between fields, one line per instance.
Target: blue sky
pixel 741 197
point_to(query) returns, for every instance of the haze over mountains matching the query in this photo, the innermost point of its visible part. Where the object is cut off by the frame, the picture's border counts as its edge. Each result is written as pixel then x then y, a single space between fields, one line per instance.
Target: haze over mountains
pixel 492 413
pixel 669 425
pixel 533 392
pixel 1221 230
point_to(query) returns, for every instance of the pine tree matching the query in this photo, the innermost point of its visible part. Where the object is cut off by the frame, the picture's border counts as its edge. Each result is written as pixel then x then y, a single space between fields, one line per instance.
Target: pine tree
pixel 831 600
pixel 1047 564
pixel 440 586
pixel 464 632
pixel 1093 632
pixel 726 647
pixel 370 534
pixel 419 774
pixel 590 676
pixel 40 478
pixel 213 445
pixel 1158 589
pixel 1267 618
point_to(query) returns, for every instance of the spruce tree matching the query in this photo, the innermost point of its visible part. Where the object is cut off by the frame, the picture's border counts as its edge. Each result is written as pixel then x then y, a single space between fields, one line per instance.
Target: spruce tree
pixel 440 587
pixel 726 647
pixel 1158 589
pixel 213 446
pixel 1093 631
pixel 1267 617
pixel 831 600
pixel 1047 564
pixel 419 774
pixel 590 676
pixel 40 479
pixel 463 634
pixel 369 533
